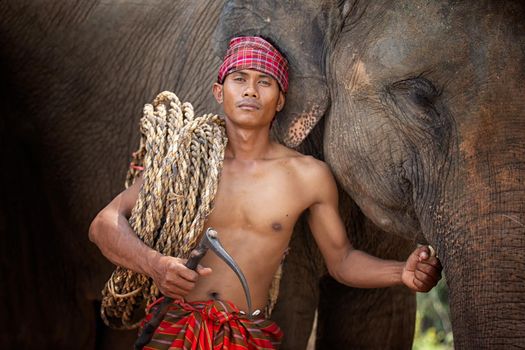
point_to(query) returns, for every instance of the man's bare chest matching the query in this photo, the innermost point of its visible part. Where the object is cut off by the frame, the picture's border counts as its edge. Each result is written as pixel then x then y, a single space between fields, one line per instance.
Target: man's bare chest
pixel 260 202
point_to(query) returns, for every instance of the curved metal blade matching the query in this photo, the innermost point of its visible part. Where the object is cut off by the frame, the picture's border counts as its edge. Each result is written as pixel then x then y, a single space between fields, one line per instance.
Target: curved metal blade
pixel 218 249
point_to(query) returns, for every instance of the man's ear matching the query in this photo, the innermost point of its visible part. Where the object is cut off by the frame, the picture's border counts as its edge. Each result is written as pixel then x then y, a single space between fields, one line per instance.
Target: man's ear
pixel 217 92
pixel 280 101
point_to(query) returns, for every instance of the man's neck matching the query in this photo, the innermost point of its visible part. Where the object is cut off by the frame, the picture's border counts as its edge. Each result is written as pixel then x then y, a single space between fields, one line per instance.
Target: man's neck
pixel 247 144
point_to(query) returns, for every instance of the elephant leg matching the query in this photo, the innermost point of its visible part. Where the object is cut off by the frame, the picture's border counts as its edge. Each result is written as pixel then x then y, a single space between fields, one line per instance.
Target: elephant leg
pixel 352 318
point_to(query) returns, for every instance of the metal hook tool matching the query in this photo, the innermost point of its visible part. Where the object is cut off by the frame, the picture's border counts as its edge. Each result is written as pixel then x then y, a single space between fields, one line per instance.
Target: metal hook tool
pixel 208 241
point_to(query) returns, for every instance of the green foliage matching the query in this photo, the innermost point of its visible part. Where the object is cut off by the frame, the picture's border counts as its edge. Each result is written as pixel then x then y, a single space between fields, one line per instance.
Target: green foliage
pixel 433 327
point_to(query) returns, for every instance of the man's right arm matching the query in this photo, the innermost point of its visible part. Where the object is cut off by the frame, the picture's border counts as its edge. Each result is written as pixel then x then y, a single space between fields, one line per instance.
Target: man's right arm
pixel 111 232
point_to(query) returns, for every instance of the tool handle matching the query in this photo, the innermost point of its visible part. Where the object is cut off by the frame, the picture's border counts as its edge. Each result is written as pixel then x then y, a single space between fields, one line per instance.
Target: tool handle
pixel 195 257
pixel 160 311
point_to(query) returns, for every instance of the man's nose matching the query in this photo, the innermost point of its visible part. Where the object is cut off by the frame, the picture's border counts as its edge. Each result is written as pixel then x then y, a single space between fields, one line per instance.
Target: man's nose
pixel 250 91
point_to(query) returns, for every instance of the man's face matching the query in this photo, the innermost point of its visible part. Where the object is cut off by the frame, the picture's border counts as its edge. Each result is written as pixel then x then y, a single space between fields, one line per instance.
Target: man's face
pixel 250 98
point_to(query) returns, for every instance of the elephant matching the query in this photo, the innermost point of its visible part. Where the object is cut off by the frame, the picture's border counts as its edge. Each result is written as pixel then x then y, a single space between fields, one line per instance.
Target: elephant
pixel 416 106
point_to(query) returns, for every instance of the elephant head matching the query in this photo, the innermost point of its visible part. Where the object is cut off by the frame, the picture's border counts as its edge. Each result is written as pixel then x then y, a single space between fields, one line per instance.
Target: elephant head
pixel 424 128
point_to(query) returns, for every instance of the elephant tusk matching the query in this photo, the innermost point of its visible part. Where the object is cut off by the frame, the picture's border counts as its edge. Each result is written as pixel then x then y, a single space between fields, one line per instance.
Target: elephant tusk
pixel 432 251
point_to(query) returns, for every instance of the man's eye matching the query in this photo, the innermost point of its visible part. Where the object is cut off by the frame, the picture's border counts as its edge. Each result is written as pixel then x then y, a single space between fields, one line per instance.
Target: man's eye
pixel 238 79
pixel 265 82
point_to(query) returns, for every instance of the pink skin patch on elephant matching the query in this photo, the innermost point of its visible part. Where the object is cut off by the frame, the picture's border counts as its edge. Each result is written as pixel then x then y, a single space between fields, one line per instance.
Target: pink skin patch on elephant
pixel 301 125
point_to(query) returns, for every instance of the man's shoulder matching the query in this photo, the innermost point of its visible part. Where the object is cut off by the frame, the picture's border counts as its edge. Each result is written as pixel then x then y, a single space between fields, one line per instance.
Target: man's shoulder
pixel 311 175
pixel 305 164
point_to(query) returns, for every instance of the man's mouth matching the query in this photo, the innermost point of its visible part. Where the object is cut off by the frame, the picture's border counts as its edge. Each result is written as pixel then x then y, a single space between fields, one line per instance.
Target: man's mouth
pixel 249 106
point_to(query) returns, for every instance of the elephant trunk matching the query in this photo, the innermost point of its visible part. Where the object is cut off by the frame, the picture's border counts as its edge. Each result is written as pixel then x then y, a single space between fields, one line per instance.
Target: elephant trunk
pixel 484 261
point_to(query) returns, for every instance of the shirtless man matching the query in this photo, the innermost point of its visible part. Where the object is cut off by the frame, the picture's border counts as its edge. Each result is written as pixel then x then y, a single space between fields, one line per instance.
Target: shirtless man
pixel 263 189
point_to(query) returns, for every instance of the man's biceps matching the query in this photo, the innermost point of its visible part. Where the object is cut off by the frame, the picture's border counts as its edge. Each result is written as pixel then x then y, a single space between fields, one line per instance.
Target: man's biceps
pixel 317 221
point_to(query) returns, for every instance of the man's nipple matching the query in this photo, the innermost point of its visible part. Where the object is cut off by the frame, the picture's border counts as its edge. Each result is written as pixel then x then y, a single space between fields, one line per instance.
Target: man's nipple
pixel 277 226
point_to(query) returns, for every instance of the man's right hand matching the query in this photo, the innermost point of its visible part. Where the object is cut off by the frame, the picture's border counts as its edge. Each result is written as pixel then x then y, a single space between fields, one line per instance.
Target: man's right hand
pixel 173 278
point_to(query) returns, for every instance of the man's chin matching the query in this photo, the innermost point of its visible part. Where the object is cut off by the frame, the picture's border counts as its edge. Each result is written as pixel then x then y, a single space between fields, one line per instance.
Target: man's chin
pixel 248 122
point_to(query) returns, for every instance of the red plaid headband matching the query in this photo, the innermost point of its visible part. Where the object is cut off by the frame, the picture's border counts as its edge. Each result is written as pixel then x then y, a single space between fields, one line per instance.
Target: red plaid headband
pixel 252 52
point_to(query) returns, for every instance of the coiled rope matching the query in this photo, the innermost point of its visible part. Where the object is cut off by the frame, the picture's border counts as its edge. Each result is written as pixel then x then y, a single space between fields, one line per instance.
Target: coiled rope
pixel 180 158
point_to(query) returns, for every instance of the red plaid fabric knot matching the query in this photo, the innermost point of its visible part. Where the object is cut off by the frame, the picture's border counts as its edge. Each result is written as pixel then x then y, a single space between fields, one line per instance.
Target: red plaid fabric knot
pixel 211 325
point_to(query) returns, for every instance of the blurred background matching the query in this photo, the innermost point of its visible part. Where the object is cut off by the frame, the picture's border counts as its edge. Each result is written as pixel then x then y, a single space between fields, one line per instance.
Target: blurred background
pixel 433 328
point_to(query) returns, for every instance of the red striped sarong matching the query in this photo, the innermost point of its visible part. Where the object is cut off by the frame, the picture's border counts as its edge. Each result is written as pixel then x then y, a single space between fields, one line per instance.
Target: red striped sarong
pixel 212 325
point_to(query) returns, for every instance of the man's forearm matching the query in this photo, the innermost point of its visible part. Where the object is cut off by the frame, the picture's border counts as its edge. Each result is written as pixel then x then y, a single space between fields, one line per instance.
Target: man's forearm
pixel 361 270
pixel 113 235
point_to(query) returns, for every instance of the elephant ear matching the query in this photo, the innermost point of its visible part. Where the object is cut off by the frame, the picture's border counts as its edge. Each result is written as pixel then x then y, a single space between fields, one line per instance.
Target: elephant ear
pixel 299 29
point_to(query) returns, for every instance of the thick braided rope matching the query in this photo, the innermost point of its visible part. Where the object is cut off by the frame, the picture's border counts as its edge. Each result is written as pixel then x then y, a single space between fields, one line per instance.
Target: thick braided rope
pixel 181 157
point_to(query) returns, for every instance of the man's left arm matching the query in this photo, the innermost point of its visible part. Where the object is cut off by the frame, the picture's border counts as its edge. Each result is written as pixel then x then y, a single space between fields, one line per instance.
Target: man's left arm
pixel 356 268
